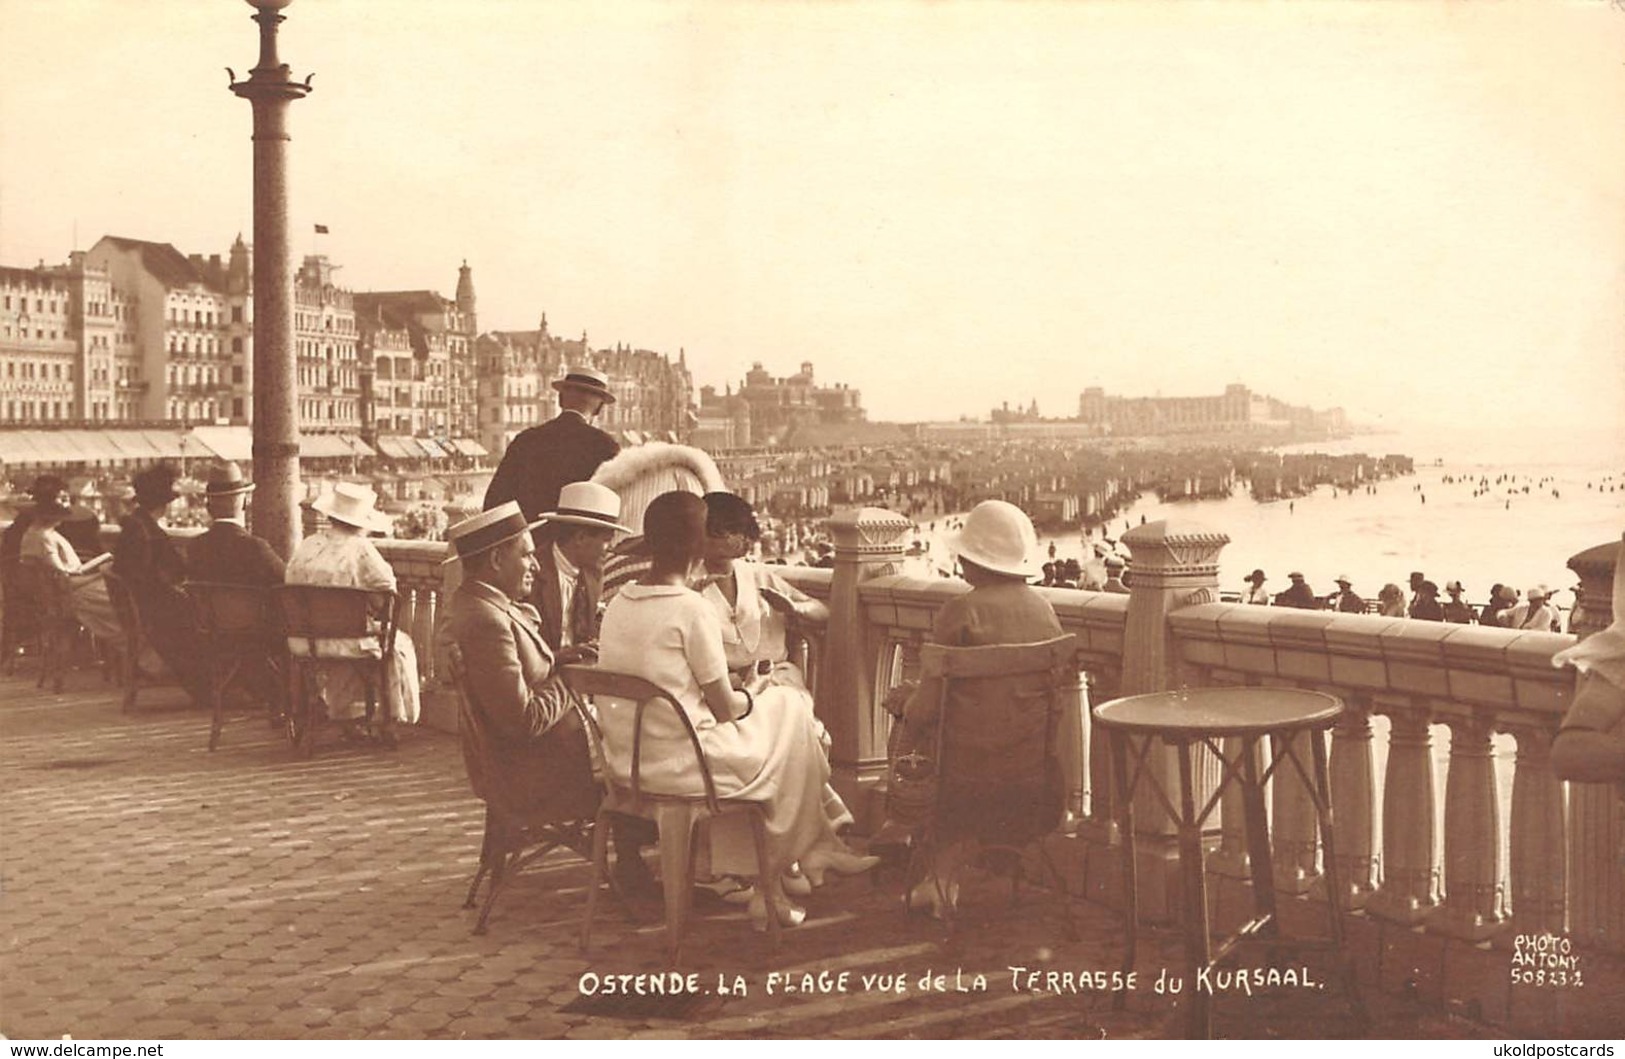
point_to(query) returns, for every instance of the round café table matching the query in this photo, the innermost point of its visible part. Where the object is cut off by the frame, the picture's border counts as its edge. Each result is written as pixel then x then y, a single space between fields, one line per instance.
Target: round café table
pixel 1197 717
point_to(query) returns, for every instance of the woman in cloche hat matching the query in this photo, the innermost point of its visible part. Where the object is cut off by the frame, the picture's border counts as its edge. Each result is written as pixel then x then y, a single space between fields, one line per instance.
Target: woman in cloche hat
pixel 995 550
pixel 340 554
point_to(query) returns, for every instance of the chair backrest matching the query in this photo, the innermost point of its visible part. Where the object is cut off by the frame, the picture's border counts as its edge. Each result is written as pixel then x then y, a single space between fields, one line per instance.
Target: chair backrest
pixel 45 589
pixel 593 682
pixel 234 610
pixel 470 730
pixel 314 613
pixel 1003 728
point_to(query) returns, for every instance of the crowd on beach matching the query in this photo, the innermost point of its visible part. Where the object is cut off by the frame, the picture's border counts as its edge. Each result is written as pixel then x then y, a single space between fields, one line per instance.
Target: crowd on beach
pixel 1506 607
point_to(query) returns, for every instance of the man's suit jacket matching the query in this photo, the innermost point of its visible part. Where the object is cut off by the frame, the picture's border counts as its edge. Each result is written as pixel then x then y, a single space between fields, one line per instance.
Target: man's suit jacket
pixel 550 603
pixel 145 557
pixel 545 459
pixel 535 748
pixel 228 554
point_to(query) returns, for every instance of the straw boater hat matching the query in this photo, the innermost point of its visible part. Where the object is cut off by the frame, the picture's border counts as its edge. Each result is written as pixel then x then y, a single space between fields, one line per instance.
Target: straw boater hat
pixel 589 379
pixel 227 480
pixel 486 530
pixel 587 504
pixel 353 505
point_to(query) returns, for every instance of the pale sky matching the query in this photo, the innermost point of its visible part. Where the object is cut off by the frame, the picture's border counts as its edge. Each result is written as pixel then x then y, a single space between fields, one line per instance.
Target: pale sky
pixel 1414 210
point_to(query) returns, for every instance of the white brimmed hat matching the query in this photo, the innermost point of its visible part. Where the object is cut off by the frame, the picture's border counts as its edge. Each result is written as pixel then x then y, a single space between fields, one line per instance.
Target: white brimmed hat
pixel 998 536
pixel 486 530
pixel 587 504
pixel 353 505
pixel 589 379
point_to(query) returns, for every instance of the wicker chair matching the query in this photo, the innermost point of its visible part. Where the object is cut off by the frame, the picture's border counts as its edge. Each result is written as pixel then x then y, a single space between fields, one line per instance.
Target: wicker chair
pixel 315 618
pixel 239 626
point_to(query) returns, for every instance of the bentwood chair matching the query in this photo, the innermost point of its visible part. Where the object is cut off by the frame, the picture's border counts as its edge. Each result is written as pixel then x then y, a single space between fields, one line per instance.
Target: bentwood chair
pixel 240 633
pixel 998 755
pixel 332 627
pixel 676 816
pixel 517 835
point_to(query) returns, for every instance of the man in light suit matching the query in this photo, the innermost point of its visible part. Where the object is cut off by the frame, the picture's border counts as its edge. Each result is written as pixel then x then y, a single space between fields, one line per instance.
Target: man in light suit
pixel 570 582
pixel 536 743
pixel 541 461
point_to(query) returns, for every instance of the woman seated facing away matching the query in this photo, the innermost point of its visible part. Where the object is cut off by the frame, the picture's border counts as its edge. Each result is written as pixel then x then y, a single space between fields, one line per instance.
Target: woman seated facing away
pixel 341 555
pixel 994 549
pixel 760 747
pixel 44 545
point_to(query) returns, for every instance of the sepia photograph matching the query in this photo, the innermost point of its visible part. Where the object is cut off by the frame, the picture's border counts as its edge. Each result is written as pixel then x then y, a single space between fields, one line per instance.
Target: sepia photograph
pixel 550 520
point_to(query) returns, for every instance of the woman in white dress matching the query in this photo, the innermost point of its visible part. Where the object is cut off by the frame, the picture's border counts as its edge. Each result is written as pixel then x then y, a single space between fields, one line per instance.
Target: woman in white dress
pixel 44 545
pixel 340 554
pixel 760 747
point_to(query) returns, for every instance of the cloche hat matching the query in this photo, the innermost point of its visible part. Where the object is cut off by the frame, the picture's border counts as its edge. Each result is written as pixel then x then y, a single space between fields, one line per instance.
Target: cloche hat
pixel 999 537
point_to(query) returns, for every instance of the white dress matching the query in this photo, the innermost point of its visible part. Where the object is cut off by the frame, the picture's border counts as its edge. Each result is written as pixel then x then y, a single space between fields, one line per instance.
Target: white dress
pixel 670 636
pixel 349 560
pixel 91 604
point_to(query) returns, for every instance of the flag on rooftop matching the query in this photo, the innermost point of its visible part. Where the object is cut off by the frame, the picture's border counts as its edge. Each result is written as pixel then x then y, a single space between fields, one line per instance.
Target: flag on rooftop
pixel 321 229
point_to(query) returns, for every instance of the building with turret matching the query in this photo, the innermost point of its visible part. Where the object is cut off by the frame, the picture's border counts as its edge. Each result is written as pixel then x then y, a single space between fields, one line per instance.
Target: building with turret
pixel 765 409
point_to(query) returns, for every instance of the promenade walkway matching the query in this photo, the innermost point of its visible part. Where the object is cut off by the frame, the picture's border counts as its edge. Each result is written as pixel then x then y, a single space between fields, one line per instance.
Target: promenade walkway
pixel 153 889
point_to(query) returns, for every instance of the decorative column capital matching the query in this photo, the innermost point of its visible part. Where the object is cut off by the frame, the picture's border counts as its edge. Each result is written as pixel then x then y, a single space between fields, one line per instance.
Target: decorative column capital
pixel 868 534
pixel 1596 567
pixel 1175 553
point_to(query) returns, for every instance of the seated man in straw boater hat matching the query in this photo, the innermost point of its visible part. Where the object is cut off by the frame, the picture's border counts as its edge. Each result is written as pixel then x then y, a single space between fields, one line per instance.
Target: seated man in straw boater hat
pixel 570 578
pixel 510 677
pixel 341 555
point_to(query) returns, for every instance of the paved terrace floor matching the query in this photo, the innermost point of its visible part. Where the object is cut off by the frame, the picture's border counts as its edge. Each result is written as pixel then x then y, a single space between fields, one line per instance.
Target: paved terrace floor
pixel 153 889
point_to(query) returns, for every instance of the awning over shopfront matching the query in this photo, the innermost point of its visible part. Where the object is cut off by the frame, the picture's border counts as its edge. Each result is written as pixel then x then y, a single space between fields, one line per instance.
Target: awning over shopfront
pixel 324 447
pixel 432 447
pixel 357 446
pixel 400 447
pixel 469 447
pixel 234 444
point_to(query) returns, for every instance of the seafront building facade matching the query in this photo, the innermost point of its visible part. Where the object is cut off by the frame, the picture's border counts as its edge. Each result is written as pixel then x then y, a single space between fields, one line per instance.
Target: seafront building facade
pixel 1237 410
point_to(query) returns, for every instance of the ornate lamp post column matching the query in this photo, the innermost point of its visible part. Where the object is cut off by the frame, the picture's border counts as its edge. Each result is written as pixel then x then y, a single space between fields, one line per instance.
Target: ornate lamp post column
pixel 275 418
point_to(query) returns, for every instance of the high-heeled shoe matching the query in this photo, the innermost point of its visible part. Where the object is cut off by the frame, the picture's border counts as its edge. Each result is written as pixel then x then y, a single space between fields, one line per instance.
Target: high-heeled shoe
pixel 795 884
pixel 820 862
pixel 788 915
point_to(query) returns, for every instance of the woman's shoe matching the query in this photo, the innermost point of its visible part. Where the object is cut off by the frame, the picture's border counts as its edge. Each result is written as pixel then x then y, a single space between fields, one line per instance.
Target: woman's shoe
pixel 820 862
pixel 796 884
pixel 788 915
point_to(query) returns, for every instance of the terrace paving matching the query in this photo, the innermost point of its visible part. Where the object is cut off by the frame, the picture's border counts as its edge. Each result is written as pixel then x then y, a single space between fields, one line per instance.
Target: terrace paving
pixel 153 889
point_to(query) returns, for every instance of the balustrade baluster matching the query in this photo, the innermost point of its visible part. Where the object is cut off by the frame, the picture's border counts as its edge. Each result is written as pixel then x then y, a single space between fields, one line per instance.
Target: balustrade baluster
pixel 1231 859
pixel 423 631
pixel 1354 802
pixel 408 617
pixel 1474 896
pixel 1409 892
pixel 1297 834
pixel 1539 837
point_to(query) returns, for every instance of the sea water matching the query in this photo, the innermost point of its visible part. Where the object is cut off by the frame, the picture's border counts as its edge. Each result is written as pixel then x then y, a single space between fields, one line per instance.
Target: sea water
pixel 1430 521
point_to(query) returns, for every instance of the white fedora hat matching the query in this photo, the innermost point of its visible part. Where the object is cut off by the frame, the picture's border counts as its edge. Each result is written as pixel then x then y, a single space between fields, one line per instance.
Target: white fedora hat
pixel 587 504
pixel 353 505
pixel 998 536
pixel 486 530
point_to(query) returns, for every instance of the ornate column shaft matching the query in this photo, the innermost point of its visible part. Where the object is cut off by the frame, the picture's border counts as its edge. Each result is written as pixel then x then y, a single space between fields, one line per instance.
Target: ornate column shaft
pixel 869 543
pixel 270 89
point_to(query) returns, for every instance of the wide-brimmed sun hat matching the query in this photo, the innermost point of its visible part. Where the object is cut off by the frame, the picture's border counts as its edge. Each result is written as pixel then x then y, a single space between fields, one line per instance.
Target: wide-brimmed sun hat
pixel 587 504
pixel 1257 577
pixel 353 505
pixel 999 537
pixel 589 379
pixel 486 530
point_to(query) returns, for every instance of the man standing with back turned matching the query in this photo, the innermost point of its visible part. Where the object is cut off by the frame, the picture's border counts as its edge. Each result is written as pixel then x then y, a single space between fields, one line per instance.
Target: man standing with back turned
pixel 565 449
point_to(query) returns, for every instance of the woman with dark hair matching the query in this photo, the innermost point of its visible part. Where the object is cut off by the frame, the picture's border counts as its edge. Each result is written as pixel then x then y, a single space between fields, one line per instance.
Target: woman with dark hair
pixel 44 545
pixel 760 747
